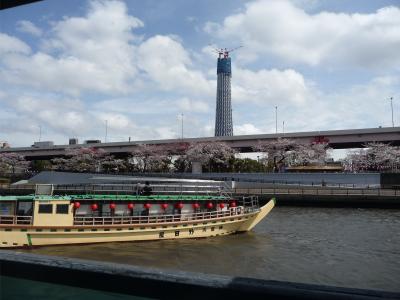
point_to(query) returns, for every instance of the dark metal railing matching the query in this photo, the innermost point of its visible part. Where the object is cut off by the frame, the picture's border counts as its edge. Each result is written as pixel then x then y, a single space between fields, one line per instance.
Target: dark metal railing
pixel 122 220
pixel 317 191
pixel 15 220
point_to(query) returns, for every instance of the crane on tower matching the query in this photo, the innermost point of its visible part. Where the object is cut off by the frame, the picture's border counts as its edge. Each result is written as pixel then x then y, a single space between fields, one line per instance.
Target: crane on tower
pixel 224 52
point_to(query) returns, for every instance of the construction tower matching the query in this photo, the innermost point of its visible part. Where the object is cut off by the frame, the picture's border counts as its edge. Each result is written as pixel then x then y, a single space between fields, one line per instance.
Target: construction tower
pixel 223 116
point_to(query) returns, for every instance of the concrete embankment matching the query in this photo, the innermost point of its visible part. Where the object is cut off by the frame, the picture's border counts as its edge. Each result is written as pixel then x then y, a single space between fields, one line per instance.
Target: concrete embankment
pixel 325 197
pixel 16 268
pixel 294 195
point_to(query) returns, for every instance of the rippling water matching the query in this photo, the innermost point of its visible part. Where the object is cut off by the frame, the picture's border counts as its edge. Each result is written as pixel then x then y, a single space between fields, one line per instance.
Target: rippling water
pixel 342 247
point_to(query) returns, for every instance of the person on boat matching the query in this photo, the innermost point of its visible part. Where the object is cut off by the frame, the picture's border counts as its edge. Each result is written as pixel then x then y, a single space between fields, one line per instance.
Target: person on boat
pixel 147 190
pixel 138 189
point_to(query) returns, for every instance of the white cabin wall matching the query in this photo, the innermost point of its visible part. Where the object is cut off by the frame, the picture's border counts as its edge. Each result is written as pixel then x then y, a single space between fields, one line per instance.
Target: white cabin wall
pixel 84 209
pixel 187 209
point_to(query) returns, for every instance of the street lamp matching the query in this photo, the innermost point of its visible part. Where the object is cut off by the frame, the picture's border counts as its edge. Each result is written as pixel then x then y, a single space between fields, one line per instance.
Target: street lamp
pixel 105 136
pixel 180 116
pixel 276 119
pixel 182 126
pixel 391 106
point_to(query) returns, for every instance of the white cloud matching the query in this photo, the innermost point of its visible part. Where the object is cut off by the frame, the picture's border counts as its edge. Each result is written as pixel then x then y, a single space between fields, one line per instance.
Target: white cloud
pixel 100 53
pixel 167 63
pixel 269 86
pixel 29 27
pixel 64 115
pixel 90 53
pixel 246 129
pixel 280 29
pixel 186 104
pixel 359 106
pixel 12 45
pixel 61 118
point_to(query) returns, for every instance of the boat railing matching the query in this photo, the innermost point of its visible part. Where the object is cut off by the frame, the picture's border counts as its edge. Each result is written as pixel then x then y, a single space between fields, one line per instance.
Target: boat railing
pixel 249 203
pixel 15 220
pixel 220 188
pixel 160 218
pixel 159 189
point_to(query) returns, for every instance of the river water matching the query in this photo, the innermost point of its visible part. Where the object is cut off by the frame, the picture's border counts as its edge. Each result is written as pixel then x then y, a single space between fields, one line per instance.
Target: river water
pixel 346 247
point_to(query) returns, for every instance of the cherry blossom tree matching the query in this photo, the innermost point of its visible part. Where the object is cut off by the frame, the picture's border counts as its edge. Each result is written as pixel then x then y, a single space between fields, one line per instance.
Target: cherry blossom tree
pixel 282 152
pixel 212 154
pixel 11 162
pixel 355 161
pixel 150 158
pixel 375 157
pixel 277 153
pixel 181 164
pixel 314 153
pixel 81 159
pixel 111 164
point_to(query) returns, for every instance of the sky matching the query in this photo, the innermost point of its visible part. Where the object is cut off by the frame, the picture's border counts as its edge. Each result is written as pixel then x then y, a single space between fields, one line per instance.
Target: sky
pixel 68 68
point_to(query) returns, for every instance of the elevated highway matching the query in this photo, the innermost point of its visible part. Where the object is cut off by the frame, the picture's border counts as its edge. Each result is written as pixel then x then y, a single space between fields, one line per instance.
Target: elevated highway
pixel 337 139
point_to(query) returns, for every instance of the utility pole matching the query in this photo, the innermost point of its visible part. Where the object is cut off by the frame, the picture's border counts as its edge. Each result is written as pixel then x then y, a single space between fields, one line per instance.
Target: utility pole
pixel 276 119
pixel 105 137
pixel 182 126
pixel 391 105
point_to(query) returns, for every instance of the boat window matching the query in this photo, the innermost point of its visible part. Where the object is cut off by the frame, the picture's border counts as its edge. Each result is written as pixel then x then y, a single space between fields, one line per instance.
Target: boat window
pixel 45 208
pixel 177 233
pixel 24 208
pixel 62 208
pixel 6 209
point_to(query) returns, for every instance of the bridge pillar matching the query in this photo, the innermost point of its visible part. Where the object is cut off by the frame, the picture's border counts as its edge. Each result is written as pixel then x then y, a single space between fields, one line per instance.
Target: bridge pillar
pixel 197 167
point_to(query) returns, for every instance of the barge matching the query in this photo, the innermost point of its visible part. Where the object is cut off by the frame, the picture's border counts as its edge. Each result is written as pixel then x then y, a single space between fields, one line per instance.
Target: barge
pixel 45 218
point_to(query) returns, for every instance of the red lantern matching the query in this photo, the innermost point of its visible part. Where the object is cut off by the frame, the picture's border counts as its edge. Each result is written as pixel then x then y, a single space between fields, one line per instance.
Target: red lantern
pixel 112 206
pixel 221 205
pixel 179 205
pixel 196 205
pixel 77 205
pixel 94 206
pixel 147 205
pixel 232 204
pixel 209 205
pixel 131 206
pixel 164 206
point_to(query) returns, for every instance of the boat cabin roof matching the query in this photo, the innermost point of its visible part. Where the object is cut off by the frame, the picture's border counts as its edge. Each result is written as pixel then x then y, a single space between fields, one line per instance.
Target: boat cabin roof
pixel 114 197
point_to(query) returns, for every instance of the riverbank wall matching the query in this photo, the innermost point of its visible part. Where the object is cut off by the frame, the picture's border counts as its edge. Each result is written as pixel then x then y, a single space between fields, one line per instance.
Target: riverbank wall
pixel 49 277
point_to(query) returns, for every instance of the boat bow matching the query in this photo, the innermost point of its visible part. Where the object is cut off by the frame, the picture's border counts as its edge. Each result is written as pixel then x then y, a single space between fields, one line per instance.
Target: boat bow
pixel 264 210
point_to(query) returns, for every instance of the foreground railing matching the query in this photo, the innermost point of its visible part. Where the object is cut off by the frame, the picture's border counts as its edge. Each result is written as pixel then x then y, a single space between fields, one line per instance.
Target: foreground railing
pixel 120 220
pixel 15 220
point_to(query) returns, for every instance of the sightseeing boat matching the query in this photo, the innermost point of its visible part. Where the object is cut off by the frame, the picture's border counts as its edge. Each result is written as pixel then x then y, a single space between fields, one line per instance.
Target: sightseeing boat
pixel 50 219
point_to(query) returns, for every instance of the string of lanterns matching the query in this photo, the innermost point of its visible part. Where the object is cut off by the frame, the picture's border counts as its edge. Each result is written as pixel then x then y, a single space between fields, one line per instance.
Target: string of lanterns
pixel 164 206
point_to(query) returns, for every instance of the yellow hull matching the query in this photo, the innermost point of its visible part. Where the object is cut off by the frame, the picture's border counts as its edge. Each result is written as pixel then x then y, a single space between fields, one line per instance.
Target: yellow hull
pixel 20 236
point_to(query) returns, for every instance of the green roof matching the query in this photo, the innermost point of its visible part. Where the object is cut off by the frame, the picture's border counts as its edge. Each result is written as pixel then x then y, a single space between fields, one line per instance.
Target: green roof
pixel 116 197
